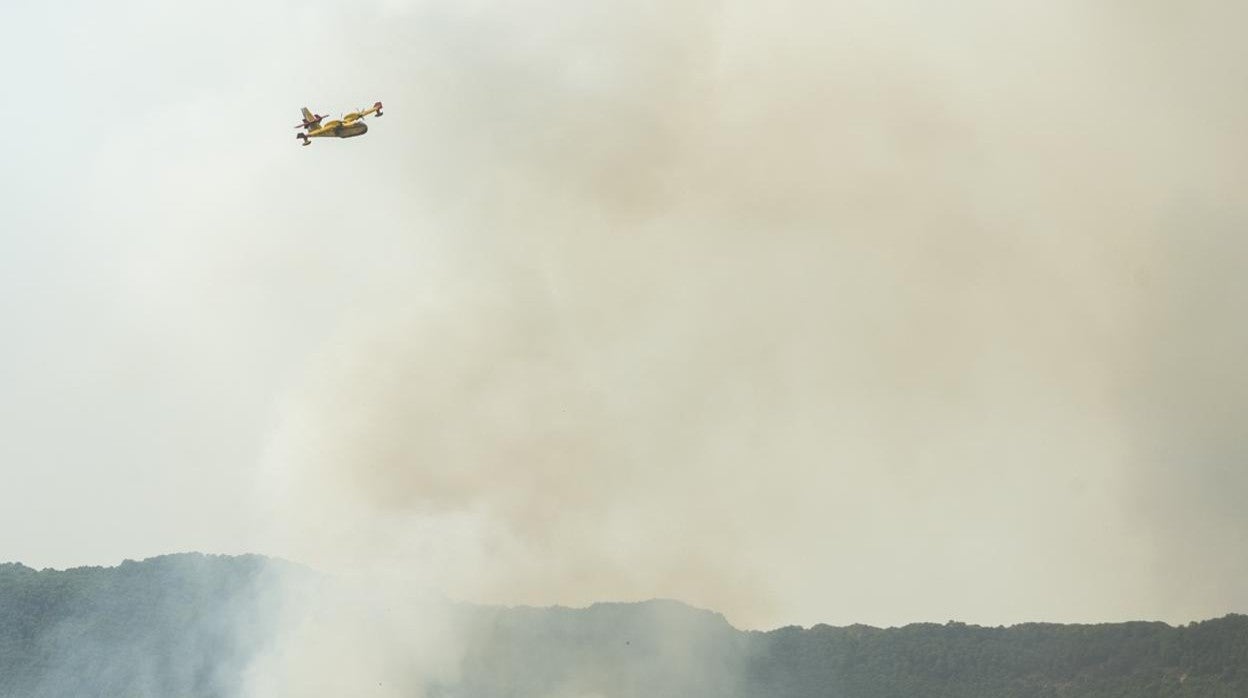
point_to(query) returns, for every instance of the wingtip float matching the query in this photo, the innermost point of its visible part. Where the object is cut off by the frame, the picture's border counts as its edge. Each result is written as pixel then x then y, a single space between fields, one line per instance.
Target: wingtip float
pixel 349 126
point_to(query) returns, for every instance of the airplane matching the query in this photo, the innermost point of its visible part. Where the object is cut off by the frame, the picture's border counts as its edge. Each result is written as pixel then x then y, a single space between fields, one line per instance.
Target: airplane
pixel 349 125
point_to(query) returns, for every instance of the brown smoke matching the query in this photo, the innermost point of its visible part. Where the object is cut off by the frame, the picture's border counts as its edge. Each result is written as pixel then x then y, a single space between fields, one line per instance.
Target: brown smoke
pixel 819 312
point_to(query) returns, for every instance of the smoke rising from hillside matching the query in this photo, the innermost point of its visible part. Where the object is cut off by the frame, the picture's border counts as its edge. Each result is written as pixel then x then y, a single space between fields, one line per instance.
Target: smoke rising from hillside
pixel 814 312
pixel 847 312
pixel 804 312
pixel 786 311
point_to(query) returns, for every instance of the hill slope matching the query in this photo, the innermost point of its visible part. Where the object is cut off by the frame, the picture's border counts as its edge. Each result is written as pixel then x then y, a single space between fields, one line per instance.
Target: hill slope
pixel 188 625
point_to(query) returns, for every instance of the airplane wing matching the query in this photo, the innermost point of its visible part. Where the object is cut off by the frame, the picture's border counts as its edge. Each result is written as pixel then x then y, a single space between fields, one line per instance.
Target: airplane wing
pixel 360 114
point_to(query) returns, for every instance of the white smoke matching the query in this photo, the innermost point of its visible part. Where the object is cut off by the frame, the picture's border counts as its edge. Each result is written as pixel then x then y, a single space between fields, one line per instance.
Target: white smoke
pixel 777 311
pixel 844 312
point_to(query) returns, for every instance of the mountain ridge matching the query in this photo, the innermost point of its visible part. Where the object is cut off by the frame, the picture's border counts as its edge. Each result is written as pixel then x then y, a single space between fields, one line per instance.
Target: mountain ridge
pixel 170 625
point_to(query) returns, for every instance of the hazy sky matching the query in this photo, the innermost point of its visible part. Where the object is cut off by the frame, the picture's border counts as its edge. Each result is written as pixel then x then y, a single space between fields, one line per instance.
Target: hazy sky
pixel 819 311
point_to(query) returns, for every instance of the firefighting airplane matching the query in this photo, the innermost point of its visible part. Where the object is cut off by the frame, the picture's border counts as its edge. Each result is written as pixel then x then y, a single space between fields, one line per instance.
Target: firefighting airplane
pixel 348 126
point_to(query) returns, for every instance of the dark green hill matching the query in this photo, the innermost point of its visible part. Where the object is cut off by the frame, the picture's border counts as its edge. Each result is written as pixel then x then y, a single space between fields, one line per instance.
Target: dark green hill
pixel 1040 660
pixel 167 626
pixel 187 625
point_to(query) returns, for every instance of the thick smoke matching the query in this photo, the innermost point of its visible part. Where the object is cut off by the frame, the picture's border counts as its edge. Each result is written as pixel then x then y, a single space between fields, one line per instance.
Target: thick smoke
pixel 845 312
pixel 836 312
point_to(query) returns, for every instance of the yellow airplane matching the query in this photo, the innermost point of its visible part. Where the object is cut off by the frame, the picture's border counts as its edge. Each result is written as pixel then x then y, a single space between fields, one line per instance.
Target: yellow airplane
pixel 348 126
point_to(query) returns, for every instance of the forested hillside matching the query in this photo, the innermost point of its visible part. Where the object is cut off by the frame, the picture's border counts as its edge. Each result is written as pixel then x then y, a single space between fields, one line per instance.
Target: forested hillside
pixel 188 625
pixel 167 626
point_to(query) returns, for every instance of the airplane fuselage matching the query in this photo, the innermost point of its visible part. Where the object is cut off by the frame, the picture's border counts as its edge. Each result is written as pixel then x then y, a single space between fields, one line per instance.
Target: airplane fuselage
pixel 338 129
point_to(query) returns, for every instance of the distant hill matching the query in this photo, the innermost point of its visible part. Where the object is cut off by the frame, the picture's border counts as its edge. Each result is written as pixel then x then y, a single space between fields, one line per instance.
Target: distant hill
pixel 161 627
pixel 169 626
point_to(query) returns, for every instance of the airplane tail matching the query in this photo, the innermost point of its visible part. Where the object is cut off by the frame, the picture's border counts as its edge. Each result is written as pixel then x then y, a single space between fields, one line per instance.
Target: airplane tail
pixel 310 120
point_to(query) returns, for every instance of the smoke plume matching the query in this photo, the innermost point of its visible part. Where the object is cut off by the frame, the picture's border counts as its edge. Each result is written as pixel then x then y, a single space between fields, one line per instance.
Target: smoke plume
pixel 816 312
pixel 807 312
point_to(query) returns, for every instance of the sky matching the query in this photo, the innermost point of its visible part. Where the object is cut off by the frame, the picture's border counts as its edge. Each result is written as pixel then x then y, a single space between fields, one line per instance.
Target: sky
pixel 836 312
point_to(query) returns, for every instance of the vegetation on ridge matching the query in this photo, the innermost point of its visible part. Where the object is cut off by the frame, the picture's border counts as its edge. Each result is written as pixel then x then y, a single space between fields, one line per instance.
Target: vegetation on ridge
pixel 188 625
